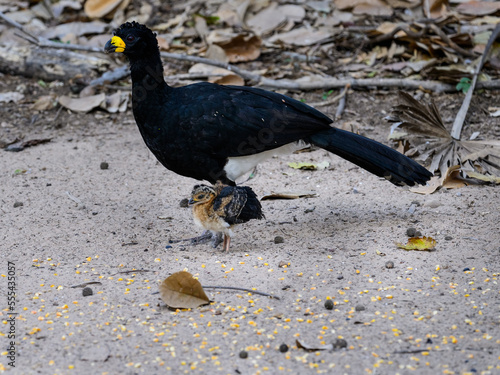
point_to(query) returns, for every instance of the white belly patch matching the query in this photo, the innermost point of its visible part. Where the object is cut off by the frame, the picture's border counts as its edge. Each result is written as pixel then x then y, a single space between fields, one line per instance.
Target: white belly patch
pixel 239 165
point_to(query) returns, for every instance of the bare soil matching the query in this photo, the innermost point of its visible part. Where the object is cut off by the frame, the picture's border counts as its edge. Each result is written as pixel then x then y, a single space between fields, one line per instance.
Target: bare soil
pixel 65 222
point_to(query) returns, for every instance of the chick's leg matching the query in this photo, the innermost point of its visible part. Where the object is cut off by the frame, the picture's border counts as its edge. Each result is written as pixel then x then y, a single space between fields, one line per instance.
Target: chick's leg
pixel 227 240
pixel 205 237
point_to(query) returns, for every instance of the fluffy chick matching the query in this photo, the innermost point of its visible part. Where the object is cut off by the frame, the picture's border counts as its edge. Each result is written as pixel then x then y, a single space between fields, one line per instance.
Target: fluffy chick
pixel 220 207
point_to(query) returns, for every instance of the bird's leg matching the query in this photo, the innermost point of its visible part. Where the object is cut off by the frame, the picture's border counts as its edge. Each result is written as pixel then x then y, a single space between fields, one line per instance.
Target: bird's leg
pixel 203 238
pixel 227 240
pixel 216 239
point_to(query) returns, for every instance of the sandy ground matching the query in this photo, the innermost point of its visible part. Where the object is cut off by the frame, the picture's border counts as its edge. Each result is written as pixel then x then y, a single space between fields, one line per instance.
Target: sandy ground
pixel 66 222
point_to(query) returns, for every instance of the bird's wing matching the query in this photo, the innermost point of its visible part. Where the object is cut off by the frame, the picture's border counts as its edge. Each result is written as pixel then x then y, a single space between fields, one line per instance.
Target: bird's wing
pixel 229 204
pixel 230 121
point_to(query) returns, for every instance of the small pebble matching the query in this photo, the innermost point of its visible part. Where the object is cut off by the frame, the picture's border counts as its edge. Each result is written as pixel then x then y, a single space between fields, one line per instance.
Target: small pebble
pixel 184 203
pixel 360 308
pixel 168 247
pixel 18 204
pixel 329 304
pixel 279 239
pixel 389 264
pixel 104 165
pixel 87 291
pixel 412 232
pixel 283 348
pixel 448 238
pixel 309 210
pixel 340 277
pixel 466 269
pixel 340 343
pixel 243 354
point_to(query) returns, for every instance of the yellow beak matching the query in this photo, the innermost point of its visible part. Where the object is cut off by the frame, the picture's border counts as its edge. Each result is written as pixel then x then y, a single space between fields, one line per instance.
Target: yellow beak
pixel 116 44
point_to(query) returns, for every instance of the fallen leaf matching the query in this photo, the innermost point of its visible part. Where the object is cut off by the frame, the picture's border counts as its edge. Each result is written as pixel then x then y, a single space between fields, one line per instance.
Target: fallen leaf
pixel 85 104
pixel 101 8
pixel 478 8
pixel 76 28
pixel 482 177
pixel 266 20
pixel 231 79
pixel 11 96
pixel 181 290
pixel 309 166
pixel 432 185
pixel 289 195
pixel 494 112
pixel 452 178
pixel 242 48
pixel 418 243
pixel 44 103
pixel 302 345
pixel 303 36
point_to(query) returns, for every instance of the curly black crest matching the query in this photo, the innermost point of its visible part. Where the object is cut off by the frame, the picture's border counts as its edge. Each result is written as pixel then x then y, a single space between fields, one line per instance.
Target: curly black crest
pixel 136 26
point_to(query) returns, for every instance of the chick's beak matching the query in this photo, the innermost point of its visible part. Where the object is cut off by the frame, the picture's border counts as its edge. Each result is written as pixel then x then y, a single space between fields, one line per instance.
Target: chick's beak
pixel 115 44
pixel 191 202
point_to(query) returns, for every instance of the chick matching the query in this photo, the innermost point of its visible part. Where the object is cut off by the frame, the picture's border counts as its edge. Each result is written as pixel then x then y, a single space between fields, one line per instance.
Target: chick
pixel 220 207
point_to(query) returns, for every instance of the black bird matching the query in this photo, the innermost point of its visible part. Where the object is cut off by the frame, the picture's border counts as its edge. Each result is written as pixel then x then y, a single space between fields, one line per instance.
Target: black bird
pixel 219 208
pixel 211 132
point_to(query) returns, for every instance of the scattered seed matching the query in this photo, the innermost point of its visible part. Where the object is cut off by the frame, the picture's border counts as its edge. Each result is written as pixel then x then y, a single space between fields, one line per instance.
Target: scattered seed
pixel 87 291
pixel 104 165
pixel 18 204
pixel 329 304
pixel 283 348
pixel 466 269
pixel 279 239
pixel 340 277
pixel 389 264
pixel 448 238
pixel 243 354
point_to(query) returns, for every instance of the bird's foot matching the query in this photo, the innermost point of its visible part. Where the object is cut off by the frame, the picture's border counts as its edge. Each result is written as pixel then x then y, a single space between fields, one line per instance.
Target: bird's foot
pixel 205 237
pixel 216 239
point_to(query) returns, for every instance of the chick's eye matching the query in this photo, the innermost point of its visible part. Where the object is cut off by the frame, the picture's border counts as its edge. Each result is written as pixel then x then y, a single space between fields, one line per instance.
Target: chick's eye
pixel 201 196
pixel 130 38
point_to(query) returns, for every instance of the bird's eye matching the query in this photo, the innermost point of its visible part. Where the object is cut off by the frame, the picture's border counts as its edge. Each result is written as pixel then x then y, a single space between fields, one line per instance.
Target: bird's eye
pixel 130 38
pixel 201 196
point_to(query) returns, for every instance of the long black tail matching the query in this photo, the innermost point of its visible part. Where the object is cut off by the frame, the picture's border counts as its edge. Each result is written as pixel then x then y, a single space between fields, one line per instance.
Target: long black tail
pixel 373 156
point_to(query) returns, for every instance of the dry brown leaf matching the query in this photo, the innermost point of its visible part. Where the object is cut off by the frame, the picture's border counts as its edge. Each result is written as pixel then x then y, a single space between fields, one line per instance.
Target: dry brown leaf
pixel 266 20
pixel 230 79
pixel 478 8
pixel 101 8
pixel 217 75
pixel 44 103
pixel 373 8
pixel 432 185
pixel 438 8
pixel 85 104
pixel 182 291
pixel 483 177
pixel 242 48
pixel 303 36
pixel 452 179
pixel 418 243
pixel 302 345
pixel 233 12
pixel 289 195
